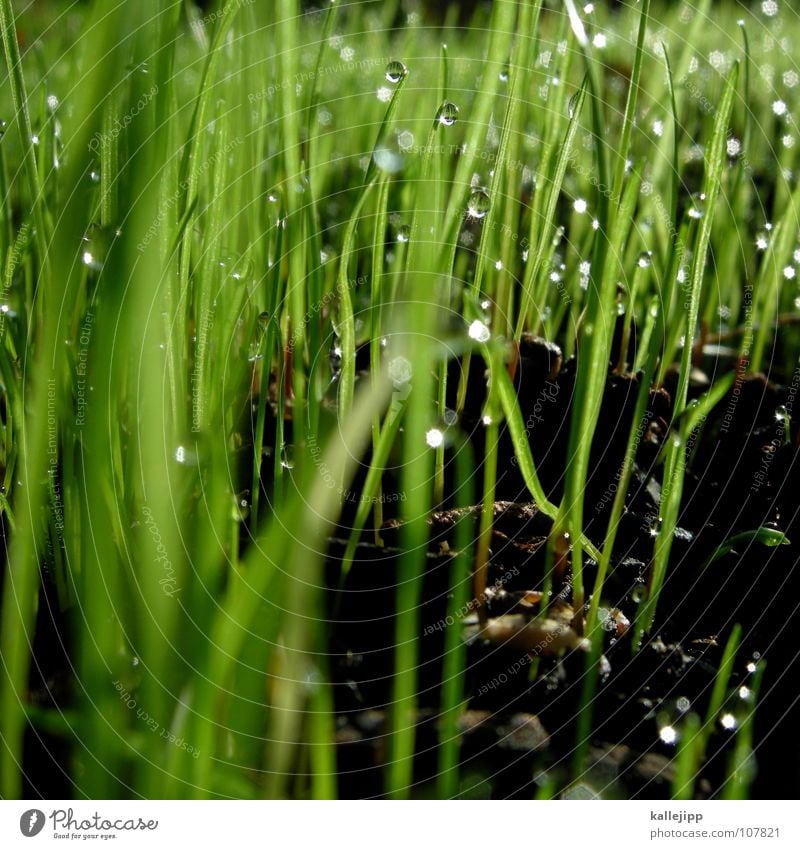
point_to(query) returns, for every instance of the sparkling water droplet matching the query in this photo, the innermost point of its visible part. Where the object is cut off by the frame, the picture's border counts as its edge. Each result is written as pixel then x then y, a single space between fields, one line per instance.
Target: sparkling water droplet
pixel 479 331
pixel 434 437
pixel 728 721
pixel 668 735
pixel 606 620
pixel 185 456
pixel 683 704
pixel 241 507
pixel 780 413
pixel 96 244
pixel 395 71
pixel 447 114
pixel 478 204
pixel 697 210
pixel 503 75
pixel 335 360
pixel 404 233
pixel 287 456
pixel 573 104
pixel 645 259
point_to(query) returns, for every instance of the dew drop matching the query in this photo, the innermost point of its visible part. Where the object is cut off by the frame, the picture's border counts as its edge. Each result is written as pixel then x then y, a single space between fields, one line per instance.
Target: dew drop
pixel 185 456
pixel 668 735
pixel 434 437
pixel 607 622
pixel 447 114
pixel 96 244
pixel 335 360
pixel 241 507
pixel 479 331
pixel 696 210
pixel 395 71
pixel 287 456
pixel 478 204
pixel 404 233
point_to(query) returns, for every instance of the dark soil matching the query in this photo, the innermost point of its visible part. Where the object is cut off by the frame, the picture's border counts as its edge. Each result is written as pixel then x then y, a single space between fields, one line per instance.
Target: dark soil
pixel 519 729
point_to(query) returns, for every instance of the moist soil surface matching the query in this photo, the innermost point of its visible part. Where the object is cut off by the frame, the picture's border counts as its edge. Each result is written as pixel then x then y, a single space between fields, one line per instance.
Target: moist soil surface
pixel 519 726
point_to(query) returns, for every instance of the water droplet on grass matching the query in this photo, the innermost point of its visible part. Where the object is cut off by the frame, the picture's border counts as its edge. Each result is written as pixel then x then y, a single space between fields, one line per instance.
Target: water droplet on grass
pixel 404 233
pixel 335 360
pixel 185 456
pixel 447 114
pixel 697 209
pixel 434 437
pixel 573 104
pixel 287 456
pixel 96 245
pixel 478 204
pixel 241 507
pixel 237 268
pixel 395 71
pixel 479 331
pixel 668 735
